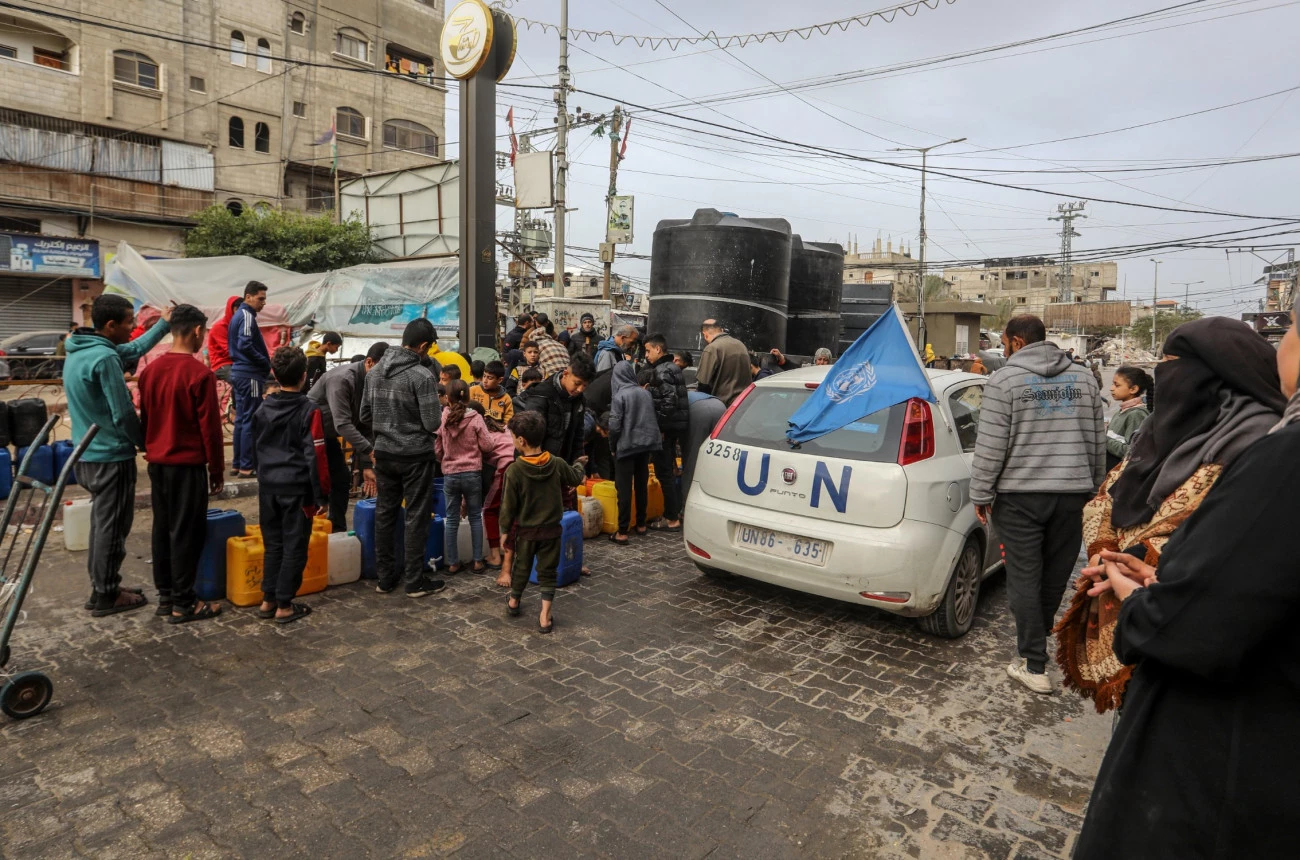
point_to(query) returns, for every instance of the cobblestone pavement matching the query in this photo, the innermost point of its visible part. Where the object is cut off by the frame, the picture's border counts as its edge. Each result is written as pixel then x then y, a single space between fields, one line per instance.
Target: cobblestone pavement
pixel 670 715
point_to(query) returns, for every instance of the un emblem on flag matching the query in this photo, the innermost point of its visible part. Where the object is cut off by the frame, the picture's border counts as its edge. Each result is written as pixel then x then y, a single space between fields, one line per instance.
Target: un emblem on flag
pixel 852 383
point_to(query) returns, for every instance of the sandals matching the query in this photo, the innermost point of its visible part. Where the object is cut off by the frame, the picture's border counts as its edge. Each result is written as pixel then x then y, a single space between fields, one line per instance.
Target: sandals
pixel 544 630
pixel 196 614
pixel 300 610
pixel 662 526
pixel 481 567
pixel 614 538
pixel 266 614
pixel 90 601
pixel 120 607
pixel 513 611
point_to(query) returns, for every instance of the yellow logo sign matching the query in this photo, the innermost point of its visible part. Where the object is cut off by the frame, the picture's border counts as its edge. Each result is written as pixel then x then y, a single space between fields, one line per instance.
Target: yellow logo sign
pixel 466 38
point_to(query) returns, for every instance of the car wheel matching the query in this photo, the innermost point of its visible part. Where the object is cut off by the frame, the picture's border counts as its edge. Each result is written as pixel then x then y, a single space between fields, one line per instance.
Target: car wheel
pixel 956 614
pixel 712 571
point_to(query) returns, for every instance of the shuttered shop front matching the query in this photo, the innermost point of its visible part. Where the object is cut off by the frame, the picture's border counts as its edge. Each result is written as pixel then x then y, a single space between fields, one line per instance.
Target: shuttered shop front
pixel 33 303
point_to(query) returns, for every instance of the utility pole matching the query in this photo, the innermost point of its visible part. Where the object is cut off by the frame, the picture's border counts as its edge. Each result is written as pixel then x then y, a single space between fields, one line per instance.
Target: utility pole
pixel 561 140
pixel 920 286
pixel 1155 300
pixel 615 129
pixel 1187 291
pixel 1067 213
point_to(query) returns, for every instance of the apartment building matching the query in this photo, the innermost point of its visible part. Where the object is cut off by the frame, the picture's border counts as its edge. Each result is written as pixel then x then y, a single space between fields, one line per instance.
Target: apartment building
pixel 1031 284
pixel 119 119
pixel 881 264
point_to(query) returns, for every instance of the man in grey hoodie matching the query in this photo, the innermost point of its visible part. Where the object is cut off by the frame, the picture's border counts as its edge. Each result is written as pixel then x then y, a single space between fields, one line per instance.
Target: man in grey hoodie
pixel 401 405
pixel 1041 453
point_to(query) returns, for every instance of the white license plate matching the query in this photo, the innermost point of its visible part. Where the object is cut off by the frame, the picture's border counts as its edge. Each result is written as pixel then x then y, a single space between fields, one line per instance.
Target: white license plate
pixel 784 545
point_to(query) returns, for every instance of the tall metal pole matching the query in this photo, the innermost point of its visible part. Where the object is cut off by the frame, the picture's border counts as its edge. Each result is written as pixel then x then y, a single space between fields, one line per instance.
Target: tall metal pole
pixel 1155 301
pixel 1068 212
pixel 920 286
pixel 1187 291
pixel 561 139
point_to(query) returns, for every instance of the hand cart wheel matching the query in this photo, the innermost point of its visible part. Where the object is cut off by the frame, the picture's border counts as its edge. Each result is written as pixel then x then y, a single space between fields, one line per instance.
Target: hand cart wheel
pixel 26 695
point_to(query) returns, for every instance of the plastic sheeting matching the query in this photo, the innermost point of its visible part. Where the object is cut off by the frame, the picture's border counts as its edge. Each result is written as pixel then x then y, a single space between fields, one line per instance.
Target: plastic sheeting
pixel 53 149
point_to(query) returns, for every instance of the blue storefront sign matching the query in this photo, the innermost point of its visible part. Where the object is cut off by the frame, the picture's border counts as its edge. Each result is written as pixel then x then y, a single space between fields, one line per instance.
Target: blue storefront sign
pixel 21 253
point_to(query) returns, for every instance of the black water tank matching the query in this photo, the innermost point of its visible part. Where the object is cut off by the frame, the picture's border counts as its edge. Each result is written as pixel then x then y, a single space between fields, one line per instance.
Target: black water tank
pixel 26 418
pixel 717 265
pixel 816 282
pixel 860 306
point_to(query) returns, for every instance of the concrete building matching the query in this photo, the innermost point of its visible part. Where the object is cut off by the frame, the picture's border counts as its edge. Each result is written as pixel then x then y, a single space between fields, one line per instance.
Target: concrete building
pixel 952 327
pixel 1031 283
pixel 110 134
pixel 881 264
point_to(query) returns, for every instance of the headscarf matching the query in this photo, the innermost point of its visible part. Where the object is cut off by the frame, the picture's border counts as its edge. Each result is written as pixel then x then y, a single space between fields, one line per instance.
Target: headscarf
pixel 1220 395
pixel 1292 412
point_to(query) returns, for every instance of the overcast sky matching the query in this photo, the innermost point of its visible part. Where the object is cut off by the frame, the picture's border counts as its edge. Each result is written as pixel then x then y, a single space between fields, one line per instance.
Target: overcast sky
pixel 1213 53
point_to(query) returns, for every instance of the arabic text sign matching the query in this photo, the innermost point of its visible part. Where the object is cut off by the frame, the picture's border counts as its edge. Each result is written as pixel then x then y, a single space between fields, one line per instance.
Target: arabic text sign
pixel 48 255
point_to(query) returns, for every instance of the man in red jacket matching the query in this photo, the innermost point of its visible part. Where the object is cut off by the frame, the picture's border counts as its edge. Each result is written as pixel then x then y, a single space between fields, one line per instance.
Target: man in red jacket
pixel 219 341
pixel 184 446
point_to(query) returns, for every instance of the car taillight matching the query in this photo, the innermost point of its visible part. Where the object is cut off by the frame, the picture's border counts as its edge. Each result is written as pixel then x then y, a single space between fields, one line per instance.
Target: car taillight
pixel 918 433
pixel 726 416
pixel 695 549
pixel 3 353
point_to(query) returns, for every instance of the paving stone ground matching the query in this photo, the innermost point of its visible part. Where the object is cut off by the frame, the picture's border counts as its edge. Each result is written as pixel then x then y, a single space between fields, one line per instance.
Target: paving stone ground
pixel 670 715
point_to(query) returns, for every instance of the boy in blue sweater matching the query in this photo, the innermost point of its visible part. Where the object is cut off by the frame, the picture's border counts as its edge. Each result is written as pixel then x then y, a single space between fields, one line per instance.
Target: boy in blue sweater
pixel 97 394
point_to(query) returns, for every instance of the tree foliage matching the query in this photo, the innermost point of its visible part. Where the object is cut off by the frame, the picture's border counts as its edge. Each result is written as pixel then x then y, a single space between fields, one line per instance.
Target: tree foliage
pixel 936 290
pixel 998 321
pixel 1165 322
pixel 291 240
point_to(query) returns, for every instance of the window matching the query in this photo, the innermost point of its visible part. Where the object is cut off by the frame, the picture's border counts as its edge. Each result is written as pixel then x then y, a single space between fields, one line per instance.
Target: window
pixel 350 122
pixel 762 419
pixel 298 24
pixel 9 52
pixel 299 108
pixel 430 3
pixel 965 406
pixel 981 277
pixel 352 44
pixel 1017 276
pixel 410 136
pixel 404 61
pixel 235 207
pixel 198 85
pixel 261 209
pixel 264 56
pixel 262 137
pixel 49 59
pixel 135 69
pixel 1021 300
pixel 236 136
pixel 238 48
pixel 1096 274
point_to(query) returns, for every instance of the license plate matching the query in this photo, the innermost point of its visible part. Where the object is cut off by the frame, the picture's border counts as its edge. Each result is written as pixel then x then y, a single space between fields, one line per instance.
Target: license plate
pixel 784 545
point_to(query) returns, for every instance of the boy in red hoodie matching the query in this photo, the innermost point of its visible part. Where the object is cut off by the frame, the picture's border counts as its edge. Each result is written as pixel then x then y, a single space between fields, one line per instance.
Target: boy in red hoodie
pixel 183 444
pixel 219 341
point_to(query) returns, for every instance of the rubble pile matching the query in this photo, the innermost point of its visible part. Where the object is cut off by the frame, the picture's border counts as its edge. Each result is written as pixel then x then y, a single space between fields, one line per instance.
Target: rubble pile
pixel 1115 352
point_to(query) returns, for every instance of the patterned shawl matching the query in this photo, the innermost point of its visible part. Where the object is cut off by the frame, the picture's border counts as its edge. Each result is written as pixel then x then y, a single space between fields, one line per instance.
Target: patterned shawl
pixel 1085 635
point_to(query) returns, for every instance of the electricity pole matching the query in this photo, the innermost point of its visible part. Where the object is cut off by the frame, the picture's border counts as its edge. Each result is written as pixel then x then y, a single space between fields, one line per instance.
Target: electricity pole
pixel 615 129
pixel 561 139
pixel 920 286
pixel 1068 212
pixel 1187 292
pixel 1155 300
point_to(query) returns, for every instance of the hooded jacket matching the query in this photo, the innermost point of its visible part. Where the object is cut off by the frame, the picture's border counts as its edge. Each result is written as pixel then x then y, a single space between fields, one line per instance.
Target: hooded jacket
pixel 339 394
pixel 460 447
pixel 219 336
pixel 608 354
pixel 1041 428
pixel 533 497
pixel 401 404
pixel 670 396
pixel 290 439
pixel 97 393
pixel 248 355
pixel 563 414
pixel 633 427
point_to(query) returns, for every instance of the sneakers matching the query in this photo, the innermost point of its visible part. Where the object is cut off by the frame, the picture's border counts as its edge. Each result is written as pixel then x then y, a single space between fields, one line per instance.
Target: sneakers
pixel 385 589
pixel 425 587
pixel 1038 683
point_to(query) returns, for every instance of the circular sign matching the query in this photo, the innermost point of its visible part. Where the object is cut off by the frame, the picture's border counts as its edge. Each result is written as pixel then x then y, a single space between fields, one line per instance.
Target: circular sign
pixel 505 42
pixel 466 38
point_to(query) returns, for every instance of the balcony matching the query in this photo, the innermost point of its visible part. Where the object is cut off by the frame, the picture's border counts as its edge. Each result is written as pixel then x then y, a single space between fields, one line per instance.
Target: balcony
pixel 87 194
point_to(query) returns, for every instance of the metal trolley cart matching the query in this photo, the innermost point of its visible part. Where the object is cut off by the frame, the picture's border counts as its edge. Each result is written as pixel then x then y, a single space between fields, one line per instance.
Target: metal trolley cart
pixel 27 693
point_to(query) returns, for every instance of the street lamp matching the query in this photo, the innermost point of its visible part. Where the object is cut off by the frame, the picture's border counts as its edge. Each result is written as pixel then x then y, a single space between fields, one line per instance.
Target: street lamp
pixel 1187 293
pixel 920 287
pixel 1155 300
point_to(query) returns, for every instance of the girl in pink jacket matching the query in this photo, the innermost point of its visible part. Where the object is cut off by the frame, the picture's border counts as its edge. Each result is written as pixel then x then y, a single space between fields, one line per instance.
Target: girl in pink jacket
pixel 461 442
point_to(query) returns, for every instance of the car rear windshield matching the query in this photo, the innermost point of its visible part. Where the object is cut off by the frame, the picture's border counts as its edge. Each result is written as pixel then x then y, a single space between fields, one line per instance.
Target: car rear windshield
pixel 764 416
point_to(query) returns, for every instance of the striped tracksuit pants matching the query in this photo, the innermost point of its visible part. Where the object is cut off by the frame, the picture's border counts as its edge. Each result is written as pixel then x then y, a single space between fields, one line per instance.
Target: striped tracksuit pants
pixel 112 492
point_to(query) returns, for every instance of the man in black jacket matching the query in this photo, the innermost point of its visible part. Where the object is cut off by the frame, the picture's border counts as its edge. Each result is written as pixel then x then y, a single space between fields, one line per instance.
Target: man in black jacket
pixel 559 399
pixel 673 411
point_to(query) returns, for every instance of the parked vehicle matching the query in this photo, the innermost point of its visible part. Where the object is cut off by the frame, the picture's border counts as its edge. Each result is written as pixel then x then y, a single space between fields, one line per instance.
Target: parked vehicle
pixel 877 513
pixel 30 355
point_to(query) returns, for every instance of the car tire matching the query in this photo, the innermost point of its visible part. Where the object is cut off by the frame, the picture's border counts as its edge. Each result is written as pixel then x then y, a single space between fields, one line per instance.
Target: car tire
pixel 712 572
pixel 956 613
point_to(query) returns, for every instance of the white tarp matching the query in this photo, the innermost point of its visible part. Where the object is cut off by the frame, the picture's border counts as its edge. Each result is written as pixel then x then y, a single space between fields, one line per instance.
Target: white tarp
pixel 361 301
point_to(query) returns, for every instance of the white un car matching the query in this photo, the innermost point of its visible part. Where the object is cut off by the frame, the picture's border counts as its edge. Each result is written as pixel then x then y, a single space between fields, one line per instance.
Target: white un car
pixel 877 513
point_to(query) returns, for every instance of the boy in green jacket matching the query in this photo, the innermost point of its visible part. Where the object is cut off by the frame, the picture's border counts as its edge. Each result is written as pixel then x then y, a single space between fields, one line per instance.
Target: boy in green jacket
pixel 532 503
pixel 97 394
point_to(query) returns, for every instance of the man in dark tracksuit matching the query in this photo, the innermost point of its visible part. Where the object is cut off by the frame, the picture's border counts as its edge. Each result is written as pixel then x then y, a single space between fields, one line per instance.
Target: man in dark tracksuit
pixel 401 404
pixel 97 394
pixel 339 394
pixel 1039 457
pixel 672 408
pixel 249 369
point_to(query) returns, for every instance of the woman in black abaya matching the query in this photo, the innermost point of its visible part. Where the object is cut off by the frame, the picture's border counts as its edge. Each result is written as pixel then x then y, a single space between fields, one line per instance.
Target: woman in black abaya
pixel 1206 755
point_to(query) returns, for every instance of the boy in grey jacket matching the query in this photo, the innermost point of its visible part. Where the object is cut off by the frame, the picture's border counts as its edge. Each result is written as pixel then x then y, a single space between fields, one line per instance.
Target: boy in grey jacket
pixel 633 434
pixel 1041 453
pixel 401 404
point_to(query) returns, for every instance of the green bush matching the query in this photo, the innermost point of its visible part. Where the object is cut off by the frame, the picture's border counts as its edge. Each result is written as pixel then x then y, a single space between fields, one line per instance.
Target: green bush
pixel 291 240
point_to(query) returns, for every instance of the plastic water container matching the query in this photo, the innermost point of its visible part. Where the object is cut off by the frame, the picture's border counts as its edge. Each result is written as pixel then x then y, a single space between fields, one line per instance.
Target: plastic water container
pixel 316 575
pixel 41 467
pixel 363 521
pixel 219 527
pixel 344 558
pixel 244 559
pixel 605 493
pixel 6 473
pixel 434 544
pixel 76 525
pixel 62 451
pixel 593 516
pixel 570 567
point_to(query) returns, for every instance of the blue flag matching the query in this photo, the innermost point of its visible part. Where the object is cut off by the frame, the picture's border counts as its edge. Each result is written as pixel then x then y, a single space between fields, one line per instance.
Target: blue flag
pixel 880 369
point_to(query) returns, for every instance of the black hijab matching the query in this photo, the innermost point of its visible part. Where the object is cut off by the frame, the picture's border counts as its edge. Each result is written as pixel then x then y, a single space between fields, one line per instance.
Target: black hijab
pixel 1217 358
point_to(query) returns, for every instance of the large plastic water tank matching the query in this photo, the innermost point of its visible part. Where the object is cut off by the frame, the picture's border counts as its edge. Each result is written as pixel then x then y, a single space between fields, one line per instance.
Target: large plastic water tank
pixel 816 281
pixel 721 266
